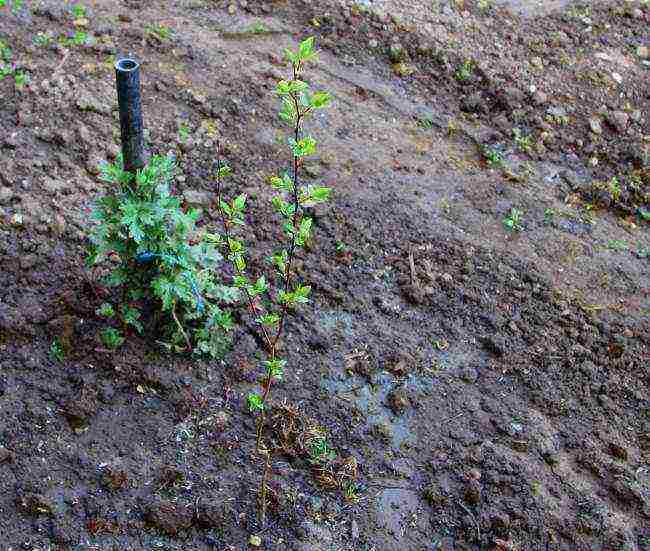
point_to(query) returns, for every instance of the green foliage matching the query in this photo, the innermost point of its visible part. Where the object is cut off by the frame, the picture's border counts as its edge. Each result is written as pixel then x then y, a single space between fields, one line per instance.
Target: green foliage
pixel 523 142
pixel 492 156
pixel 158 32
pixel 271 299
pixel 56 351
pixel 614 188
pixel 320 451
pixel 20 79
pixel 5 60
pixel 464 71
pixel 111 338
pixel 156 253
pixel 258 28
pixel 513 221
pixel 78 11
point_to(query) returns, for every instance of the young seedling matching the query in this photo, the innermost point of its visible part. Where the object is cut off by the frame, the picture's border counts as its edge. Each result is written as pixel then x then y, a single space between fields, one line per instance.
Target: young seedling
pixel 464 72
pixel 271 300
pixel 158 32
pixel 56 351
pixel 492 156
pixel 522 142
pixel 513 221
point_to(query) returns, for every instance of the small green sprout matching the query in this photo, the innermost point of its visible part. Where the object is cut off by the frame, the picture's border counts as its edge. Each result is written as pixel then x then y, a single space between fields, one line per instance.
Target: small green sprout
pixel 258 28
pixel 20 80
pixel 78 11
pixel 320 451
pixel 614 188
pixel 183 132
pixel 492 156
pixel 111 338
pixel 513 221
pixel 159 32
pixel 42 39
pixel 56 351
pixel 464 72
pixel 617 245
pixel 549 214
pixel 522 142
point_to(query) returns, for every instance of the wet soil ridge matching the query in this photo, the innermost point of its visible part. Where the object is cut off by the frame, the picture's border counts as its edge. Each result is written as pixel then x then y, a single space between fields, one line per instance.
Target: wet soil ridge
pixel 463 382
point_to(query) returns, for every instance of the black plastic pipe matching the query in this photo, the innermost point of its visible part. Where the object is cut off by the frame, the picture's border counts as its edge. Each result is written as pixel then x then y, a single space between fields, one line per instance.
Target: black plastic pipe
pixel 127 78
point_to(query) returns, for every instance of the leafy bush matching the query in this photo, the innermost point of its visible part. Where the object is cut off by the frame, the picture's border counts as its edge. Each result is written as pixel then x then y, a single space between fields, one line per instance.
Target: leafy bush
pixel 157 254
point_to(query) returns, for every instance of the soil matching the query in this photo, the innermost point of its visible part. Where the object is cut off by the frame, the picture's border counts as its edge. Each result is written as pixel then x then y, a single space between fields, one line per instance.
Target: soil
pixel 480 387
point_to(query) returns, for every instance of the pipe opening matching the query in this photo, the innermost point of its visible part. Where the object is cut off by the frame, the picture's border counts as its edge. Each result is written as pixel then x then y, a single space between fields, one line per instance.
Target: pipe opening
pixel 127 65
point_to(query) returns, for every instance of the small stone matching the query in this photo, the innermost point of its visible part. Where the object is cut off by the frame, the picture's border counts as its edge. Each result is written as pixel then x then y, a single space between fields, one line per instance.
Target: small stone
pixel 255 541
pixel 17 220
pixel 595 126
pixel 398 401
pixel 519 445
pixel 5 455
pixel 620 120
pixel 469 375
pixel 6 195
pixel 540 98
pixel 355 532
pixel 397 53
pixel 619 452
pixel 197 198
pixel 473 492
pixel 643 52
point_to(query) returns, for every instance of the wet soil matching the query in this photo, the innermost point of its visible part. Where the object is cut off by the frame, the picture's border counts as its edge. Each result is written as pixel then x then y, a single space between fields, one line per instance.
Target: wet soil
pixel 479 388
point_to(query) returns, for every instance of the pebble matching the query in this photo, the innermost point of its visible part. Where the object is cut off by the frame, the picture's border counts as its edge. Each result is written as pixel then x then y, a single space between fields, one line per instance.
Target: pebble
pixel 620 120
pixel 6 195
pixel 643 52
pixel 595 126
pixel 469 375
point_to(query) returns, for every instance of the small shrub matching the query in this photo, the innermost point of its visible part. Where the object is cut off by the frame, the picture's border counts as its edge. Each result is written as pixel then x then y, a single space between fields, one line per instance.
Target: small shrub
pixel 156 253
pixel 513 221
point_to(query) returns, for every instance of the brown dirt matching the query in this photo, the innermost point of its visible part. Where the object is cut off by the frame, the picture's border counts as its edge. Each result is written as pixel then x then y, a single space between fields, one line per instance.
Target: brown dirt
pixel 481 389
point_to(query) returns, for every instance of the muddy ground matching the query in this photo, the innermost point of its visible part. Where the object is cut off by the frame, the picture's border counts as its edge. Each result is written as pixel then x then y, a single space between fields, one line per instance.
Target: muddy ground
pixel 482 388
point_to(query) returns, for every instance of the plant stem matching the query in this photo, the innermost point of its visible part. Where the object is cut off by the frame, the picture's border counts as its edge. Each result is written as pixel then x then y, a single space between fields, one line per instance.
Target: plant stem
pixel 180 328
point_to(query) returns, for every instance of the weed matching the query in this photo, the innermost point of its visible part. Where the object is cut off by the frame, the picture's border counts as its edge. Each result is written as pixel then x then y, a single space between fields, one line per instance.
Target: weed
pixel 56 351
pixel 183 132
pixel 78 11
pixel 158 255
pixel 6 54
pixel 425 122
pixel 644 214
pixel 513 221
pixel 341 248
pixel 258 28
pixel 522 142
pixel 111 338
pixel 78 38
pixel 617 245
pixel 485 5
pixel 464 72
pixel 614 188
pixel 549 214
pixel 20 80
pixel 158 32
pixel 492 156
pixel 42 39
pixel 270 301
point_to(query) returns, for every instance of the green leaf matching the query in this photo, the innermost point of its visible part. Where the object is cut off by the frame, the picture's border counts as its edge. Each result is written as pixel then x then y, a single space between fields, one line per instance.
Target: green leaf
pixel 320 100
pixel 301 294
pixel 275 368
pixel 303 147
pixel 105 310
pixel 306 49
pixel 269 320
pixel 255 402
pixel 111 337
pixel 224 171
pixel 130 316
pixel 239 202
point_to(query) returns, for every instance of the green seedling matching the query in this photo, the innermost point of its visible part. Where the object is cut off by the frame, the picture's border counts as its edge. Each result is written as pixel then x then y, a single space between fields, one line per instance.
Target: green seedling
pixel 258 28
pixel 513 222
pixel 42 40
pixel 464 71
pixel 617 245
pixel 425 122
pixel 20 80
pixel 183 133
pixel 549 214
pixel 159 32
pixel 111 338
pixel 492 156
pixel 56 351
pixel 271 300
pixel 78 11
pixel 522 142
pixel 614 188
